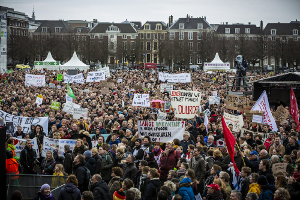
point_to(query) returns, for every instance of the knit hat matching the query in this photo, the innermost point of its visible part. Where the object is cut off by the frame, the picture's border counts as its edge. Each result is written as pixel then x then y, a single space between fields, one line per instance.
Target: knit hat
pixel 87 154
pixel 262 180
pixel 138 140
pixel 118 195
pixel 214 186
pixel 45 186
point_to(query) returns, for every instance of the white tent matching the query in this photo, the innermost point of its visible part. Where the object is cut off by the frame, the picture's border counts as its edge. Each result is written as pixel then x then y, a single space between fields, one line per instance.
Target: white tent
pixel 75 63
pixel 216 64
pixel 49 63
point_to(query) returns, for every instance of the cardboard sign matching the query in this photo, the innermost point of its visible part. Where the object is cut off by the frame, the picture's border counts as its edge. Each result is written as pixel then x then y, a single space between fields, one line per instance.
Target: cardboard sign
pixel 120 80
pixel 279 167
pixel 103 84
pixel 220 143
pixel 138 87
pixel 69 107
pixel 235 102
pixel 236 121
pixel 80 112
pixel 215 93
pixel 161 116
pixel 78 78
pixel 39 101
pixel 281 114
pixel 168 87
pixel 206 84
pixel 51 85
pixel 104 91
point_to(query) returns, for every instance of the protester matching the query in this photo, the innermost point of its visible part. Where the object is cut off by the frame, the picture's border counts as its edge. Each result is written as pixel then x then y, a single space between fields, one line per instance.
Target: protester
pixel 70 190
pixel 44 193
pixel 99 188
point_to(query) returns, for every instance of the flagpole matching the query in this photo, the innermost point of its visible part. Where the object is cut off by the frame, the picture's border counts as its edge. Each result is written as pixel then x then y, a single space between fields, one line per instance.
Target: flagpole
pixel 240 150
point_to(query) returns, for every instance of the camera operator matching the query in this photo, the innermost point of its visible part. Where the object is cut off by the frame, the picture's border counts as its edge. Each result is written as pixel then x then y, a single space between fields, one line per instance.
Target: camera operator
pixel 241 68
pixel 28 159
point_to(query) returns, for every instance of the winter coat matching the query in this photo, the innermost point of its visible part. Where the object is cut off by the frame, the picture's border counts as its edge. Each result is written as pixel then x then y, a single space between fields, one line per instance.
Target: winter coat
pixel 269 174
pixel 101 191
pixel 98 159
pixel 254 187
pixel 267 192
pixel 114 184
pixel 215 196
pixel 68 162
pixel 238 161
pixel 106 166
pixel 281 149
pixel 130 171
pixel 147 147
pixel 245 187
pixel 218 160
pixel 80 173
pixel 253 164
pixel 152 189
pixel 91 165
pixel 115 142
pixel 69 190
pixel 186 190
pixel 41 196
pixel 185 145
pixel 168 162
pixel 48 166
pixel 77 150
pixel 27 159
pixel 198 165
pixel 56 178
pixel 294 190
pixel 138 152
pixel 152 163
pixel 208 181
pixel 290 148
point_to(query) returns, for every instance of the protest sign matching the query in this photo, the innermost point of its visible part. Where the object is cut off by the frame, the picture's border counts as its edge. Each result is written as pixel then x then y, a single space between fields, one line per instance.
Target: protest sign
pixel 235 102
pixel 52 85
pixel 35 80
pixel 104 91
pixel 9 128
pixel 214 93
pixel 167 106
pixel 138 87
pixel 68 98
pixel 55 105
pixel 236 121
pixel 220 143
pixel 80 112
pixel 39 101
pixel 281 114
pixel 120 80
pixel 63 142
pixel 106 84
pixel 161 131
pixel 49 144
pixel 206 84
pixel 59 77
pixel 257 119
pixel 24 122
pixel 168 87
pixel 206 112
pixel 20 144
pixel 106 70
pixel 58 87
pixel 249 115
pixel 153 110
pixel 262 104
pixel 185 103
pixel 175 78
pixel 279 167
pixel 214 100
pixel 161 116
pixel 86 90
pixel 141 100
pixel 78 78
pixel 69 107
pixel 95 76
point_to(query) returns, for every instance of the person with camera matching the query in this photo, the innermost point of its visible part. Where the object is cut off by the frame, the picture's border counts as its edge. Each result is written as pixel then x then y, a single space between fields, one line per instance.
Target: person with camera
pixel 28 159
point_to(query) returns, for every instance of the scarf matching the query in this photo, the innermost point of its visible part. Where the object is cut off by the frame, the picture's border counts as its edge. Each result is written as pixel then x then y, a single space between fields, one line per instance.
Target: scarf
pixel 296 176
pixel 156 151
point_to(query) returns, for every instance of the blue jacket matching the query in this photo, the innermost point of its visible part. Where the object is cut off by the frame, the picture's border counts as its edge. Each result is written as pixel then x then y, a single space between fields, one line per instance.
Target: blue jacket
pixel 267 192
pixel 185 145
pixel 186 190
pixel 115 142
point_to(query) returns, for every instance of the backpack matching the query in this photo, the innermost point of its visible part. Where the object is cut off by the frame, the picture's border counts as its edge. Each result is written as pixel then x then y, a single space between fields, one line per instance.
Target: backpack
pixel 88 178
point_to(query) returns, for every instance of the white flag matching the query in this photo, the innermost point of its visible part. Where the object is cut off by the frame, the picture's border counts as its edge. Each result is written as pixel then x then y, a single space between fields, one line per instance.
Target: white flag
pixel 262 104
pixel 206 122
pixel 68 98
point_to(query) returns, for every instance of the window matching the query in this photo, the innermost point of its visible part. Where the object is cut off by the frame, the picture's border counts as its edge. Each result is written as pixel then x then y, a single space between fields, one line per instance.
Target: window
pixel 83 38
pixel 147 27
pixel 112 36
pixel 237 30
pixel 162 36
pixel 295 31
pixel 133 37
pixel 247 30
pixel 155 36
pixel 155 46
pixel 181 36
pixel 158 27
pixel 199 59
pixel 73 37
pixel 200 26
pixel 92 36
pixel 155 58
pixel 148 46
pixel 273 31
pixel 79 30
pixel 227 30
pixel 142 35
pixel 57 29
pixel 148 58
pixel 44 29
pixel 124 45
pixel 181 25
pixel 191 60
pixel 172 35
pixel 124 36
pixel 148 35
pixel 198 46
pixel 142 45
pixel 100 36
pixel 190 46
pixel 199 36
pixel 273 38
pixel 190 35
pixel 247 38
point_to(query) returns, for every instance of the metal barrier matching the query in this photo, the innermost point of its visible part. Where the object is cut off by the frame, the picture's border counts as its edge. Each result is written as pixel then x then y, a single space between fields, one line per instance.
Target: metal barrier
pixel 55 192
pixel 30 184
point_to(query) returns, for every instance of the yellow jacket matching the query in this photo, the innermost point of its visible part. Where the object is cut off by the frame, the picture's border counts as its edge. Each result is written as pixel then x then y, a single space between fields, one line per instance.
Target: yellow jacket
pixel 254 187
pixel 54 183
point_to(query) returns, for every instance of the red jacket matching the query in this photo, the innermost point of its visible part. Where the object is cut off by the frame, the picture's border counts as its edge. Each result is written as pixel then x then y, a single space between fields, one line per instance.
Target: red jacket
pixel 213 118
pixel 168 162
pixel 267 143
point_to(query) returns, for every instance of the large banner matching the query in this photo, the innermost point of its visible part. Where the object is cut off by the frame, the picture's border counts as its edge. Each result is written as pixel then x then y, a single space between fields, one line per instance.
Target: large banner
pixel 262 104
pixel 185 103
pixel 162 131
pixel 49 144
pixel 141 100
pixel 169 87
pixel 175 78
pixel 95 76
pixel 236 121
pixel 63 142
pixel 21 143
pixel 78 78
pixel 24 122
pixel 80 112
pixel 35 80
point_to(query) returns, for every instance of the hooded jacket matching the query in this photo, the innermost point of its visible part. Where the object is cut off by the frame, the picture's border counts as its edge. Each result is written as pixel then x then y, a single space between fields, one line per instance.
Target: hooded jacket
pixel 91 165
pixel 186 190
pixel 106 166
pixel 41 196
pixel 27 159
pixel 101 191
pixel 267 192
pixel 130 171
pixel 69 190
pixel 68 162
pixel 80 173
pixel 152 189
pixel 253 164
pixel 114 184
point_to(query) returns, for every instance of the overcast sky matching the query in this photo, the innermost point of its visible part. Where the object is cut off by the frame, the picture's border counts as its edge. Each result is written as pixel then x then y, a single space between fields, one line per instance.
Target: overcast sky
pixel 216 11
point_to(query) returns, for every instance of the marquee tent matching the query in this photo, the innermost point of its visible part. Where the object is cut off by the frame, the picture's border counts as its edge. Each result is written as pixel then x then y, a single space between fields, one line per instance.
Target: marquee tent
pixel 216 64
pixel 49 63
pixel 75 63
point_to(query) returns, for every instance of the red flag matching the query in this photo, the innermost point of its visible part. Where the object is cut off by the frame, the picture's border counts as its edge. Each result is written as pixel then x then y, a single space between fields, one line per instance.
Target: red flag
pixel 230 142
pixel 294 108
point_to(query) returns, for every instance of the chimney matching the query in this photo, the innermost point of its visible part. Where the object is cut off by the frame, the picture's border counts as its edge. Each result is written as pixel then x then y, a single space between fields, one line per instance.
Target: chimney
pixel 261 25
pixel 249 23
pixel 187 18
pixel 205 18
pixel 169 21
pixel 226 23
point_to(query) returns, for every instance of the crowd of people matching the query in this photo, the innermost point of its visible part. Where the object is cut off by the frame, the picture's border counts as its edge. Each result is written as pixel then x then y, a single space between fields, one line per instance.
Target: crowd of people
pixel 125 165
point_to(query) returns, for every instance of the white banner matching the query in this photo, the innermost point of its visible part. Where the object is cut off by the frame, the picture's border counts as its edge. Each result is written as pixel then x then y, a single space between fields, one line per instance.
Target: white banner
pixel 80 112
pixel 215 93
pixel 257 119
pixel 24 122
pixel 262 104
pixel 49 144
pixel 185 103
pixel 39 101
pixel 63 142
pixel 214 100
pixel 95 76
pixel 175 78
pixel 236 121
pixel 68 98
pixel 69 107
pixel 21 143
pixel 141 100
pixel 162 131
pixel 106 70
pixel 35 80
pixel 168 87
pixel 78 78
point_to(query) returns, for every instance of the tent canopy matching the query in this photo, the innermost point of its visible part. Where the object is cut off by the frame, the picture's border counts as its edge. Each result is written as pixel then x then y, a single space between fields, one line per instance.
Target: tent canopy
pixel 49 63
pixel 49 58
pixel 216 64
pixel 75 63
